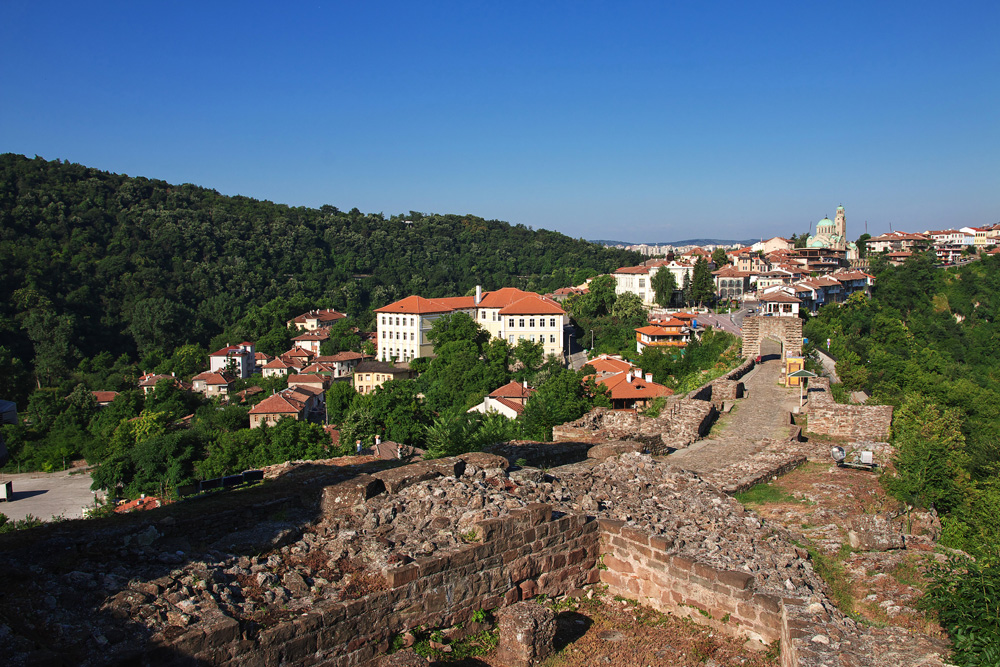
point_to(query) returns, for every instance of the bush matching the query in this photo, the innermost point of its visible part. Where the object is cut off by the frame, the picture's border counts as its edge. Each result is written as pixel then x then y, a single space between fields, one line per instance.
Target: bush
pixel 965 593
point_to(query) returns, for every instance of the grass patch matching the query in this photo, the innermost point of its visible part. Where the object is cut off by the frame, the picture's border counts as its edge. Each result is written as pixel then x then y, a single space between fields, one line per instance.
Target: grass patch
pixel 765 494
pixel 831 570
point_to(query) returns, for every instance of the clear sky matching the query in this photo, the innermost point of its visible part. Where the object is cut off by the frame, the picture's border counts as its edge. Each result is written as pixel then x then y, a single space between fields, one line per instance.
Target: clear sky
pixel 650 121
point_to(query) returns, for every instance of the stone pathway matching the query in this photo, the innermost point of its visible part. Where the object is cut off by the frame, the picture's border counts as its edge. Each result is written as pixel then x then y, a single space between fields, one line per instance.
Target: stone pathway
pixel 763 414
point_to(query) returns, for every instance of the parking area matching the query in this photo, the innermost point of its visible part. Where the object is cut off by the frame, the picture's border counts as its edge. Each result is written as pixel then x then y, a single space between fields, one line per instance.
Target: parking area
pixel 46 495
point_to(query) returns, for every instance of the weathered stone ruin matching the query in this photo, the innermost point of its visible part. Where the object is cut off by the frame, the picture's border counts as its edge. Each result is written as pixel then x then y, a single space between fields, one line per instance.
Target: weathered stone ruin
pixel 852 422
pixel 323 570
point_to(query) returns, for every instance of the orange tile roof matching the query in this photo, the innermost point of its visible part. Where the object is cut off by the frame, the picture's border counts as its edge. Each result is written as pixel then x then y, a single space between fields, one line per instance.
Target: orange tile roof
pixel 502 297
pixel 779 297
pixel 304 378
pixel 340 356
pixel 620 388
pixel 609 365
pixel 533 305
pixel 277 404
pixel 513 405
pixel 277 362
pixel 512 390
pixel 633 269
pixel 104 396
pixel 414 305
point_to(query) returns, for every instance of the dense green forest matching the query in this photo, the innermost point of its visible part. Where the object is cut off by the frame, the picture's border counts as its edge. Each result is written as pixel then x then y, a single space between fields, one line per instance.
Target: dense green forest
pixel 97 262
pixel 927 343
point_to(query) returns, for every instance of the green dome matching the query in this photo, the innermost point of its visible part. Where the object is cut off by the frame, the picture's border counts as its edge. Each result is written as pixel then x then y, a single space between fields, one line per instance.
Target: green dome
pixel 825 221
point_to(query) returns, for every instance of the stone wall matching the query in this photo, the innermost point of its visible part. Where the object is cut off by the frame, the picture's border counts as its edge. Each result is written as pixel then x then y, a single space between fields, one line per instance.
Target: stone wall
pixel 788 330
pixel 681 422
pixel 725 388
pixel 530 551
pixel 853 422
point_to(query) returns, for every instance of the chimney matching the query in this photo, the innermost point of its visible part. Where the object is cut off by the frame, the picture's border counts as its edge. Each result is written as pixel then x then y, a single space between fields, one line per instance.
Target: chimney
pixel 479 294
pixel 628 377
pixel 525 383
pixel 649 377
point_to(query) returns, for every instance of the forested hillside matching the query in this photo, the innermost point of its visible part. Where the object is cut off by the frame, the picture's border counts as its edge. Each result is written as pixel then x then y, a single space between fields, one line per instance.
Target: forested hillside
pixel 927 343
pixel 94 261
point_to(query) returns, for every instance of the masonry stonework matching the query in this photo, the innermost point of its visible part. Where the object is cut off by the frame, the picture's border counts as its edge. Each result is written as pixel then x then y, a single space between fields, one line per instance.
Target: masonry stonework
pixel 853 422
pixel 787 330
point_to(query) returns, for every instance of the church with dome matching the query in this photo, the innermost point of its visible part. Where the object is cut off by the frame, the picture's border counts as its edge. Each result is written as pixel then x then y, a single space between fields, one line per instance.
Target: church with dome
pixel 832 234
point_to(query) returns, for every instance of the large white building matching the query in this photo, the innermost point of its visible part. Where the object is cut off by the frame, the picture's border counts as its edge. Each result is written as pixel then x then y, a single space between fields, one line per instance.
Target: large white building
pixel 638 279
pixel 509 313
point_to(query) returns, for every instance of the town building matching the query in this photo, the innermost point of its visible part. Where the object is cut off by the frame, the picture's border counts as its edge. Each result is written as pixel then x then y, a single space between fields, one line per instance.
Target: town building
pixel 315 319
pixel 239 359
pixel 370 375
pixel 666 333
pixel 212 383
pixel 508 313
pixel 509 400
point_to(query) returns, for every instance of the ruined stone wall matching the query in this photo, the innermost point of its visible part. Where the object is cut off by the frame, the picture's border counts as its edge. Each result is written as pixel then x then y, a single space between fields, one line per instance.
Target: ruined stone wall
pixel 853 422
pixel 788 330
pixel 640 567
pixel 725 388
pixel 526 553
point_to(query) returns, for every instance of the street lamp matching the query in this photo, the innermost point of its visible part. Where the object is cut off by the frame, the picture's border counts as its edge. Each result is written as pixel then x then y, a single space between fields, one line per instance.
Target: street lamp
pixel 591 339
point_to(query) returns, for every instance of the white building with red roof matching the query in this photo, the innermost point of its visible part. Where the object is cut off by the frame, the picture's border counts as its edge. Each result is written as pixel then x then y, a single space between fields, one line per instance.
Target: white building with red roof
pixel 316 319
pixel 211 383
pixel 509 400
pixel 508 313
pixel 240 358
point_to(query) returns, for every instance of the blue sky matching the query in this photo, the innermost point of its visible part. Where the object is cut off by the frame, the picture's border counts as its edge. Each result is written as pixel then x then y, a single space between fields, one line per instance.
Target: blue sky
pixel 637 121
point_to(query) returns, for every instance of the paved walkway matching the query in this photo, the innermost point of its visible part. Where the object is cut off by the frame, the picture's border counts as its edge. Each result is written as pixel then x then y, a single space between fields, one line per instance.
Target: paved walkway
pixel 763 414
pixel 45 495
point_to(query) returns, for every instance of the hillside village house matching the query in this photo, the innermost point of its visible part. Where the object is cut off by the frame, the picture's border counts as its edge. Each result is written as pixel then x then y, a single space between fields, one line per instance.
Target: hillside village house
pixel 731 283
pixel 669 332
pixel 779 303
pixel 241 358
pixel 900 242
pixel 277 366
pixel 342 364
pixel 509 400
pixel 311 340
pixel 316 319
pixel 370 375
pixel 508 313
pixel 299 403
pixel 211 383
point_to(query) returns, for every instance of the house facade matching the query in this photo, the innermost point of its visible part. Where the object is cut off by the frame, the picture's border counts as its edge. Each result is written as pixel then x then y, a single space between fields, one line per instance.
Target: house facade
pixel 240 359
pixel 509 314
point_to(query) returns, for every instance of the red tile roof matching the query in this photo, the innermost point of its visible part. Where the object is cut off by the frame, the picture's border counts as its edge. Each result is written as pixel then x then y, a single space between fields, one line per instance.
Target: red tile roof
pixel 104 396
pixel 633 269
pixel 414 305
pixel 513 390
pixel 779 297
pixel 513 405
pixel 620 388
pixel 533 305
pixel 279 403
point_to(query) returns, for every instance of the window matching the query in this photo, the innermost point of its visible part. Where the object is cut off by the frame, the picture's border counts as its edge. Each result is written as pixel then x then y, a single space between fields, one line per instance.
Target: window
pixel 411 321
pixel 404 335
pixel 531 323
pixel 397 321
pixel 552 339
pixel 494 316
pixel 397 335
pixel 642 282
pixel 383 334
pixel 532 339
pixel 511 338
pixel 482 314
pixel 511 323
pixel 521 323
pixel 552 322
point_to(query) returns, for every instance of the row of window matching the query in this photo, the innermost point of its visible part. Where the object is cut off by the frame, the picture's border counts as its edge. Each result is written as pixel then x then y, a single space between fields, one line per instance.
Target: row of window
pixel 531 322
pixel 387 321
pixel 541 339
pixel 389 336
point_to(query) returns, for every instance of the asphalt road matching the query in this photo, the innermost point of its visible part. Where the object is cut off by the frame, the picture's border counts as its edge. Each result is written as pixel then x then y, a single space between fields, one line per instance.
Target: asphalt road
pixel 48 495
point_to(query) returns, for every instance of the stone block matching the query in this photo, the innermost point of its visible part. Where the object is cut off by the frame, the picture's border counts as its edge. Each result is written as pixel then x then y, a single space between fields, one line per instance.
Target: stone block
pixel 610 526
pixel 402 477
pixel 400 576
pixel 485 461
pixel 527 632
pixel 874 533
pixel 339 497
pixel 610 449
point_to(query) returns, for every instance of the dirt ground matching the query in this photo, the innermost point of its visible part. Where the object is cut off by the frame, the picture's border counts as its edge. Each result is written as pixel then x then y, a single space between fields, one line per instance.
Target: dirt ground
pixel 820 502
pixel 622 633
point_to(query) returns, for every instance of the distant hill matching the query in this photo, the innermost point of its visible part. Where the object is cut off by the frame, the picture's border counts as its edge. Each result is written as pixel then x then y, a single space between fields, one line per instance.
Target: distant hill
pixel 678 243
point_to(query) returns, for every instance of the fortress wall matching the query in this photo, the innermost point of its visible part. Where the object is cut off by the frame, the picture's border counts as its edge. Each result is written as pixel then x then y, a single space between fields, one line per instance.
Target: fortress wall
pixel 526 553
pixel 853 422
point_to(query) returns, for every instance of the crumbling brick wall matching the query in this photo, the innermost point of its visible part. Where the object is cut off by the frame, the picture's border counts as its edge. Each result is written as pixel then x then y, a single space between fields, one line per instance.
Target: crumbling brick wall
pixel 853 422
pixel 528 552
